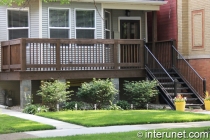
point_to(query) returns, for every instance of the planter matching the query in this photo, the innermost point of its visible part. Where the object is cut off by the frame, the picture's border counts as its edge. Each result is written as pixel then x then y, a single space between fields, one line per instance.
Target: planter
pixel 180 106
pixel 207 105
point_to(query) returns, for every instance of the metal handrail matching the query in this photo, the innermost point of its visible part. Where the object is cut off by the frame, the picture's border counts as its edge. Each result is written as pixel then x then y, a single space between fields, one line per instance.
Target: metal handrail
pixel 159 63
pixel 187 63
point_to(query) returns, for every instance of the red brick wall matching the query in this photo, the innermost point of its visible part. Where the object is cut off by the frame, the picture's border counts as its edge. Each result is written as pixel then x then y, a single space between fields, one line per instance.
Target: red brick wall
pixel 166 22
pixel 202 67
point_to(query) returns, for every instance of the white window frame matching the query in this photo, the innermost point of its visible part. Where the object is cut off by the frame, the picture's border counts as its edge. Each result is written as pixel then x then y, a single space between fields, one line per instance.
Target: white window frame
pixel 69 28
pixel 109 30
pixel 17 28
pixel 84 28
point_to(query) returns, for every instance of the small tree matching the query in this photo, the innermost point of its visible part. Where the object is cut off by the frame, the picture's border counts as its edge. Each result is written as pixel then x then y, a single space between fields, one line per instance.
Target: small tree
pixel 54 92
pixel 100 92
pixel 140 92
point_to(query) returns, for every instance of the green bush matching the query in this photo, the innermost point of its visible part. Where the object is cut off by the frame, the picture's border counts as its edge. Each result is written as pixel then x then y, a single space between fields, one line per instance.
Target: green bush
pixel 53 93
pixel 71 105
pixel 123 104
pixel 35 108
pixel 99 92
pixel 30 109
pixel 141 92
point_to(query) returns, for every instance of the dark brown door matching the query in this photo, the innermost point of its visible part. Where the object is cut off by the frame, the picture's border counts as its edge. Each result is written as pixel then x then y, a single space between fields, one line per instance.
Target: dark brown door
pixel 129 29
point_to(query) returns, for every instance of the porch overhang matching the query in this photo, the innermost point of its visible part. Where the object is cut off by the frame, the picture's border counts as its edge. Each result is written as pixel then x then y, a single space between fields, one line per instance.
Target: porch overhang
pixel 129 4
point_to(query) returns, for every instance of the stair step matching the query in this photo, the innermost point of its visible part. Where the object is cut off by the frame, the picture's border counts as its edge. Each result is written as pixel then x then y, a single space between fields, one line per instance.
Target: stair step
pixel 179 88
pixel 184 94
pixel 171 83
pixel 159 78
pixel 159 72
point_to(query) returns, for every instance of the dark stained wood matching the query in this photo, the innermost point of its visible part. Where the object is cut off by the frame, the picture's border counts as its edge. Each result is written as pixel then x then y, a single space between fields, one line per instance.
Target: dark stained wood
pixel 154 30
pixel 116 54
pixel 71 54
pixel 58 58
pixel 43 75
pixel 23 54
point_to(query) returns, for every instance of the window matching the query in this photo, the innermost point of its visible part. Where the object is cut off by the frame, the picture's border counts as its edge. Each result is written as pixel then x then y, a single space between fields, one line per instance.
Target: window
pixel 85 24
pixel 107 25
pixel 18 23
pixel 59 23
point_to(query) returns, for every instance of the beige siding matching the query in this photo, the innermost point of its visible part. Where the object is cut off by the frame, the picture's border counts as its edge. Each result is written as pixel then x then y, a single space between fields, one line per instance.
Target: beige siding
pixel 193 26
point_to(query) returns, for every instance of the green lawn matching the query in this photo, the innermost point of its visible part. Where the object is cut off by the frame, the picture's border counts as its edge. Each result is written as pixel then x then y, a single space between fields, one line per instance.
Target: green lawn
pixel 10 124
pixel 133 135
pixel 107 118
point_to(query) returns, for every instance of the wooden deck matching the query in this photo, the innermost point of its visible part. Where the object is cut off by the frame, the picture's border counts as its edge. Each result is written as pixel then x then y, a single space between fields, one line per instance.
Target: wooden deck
pixel 37 59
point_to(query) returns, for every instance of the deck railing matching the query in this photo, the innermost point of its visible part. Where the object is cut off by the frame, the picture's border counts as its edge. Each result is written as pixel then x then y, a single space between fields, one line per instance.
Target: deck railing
pixel 29 54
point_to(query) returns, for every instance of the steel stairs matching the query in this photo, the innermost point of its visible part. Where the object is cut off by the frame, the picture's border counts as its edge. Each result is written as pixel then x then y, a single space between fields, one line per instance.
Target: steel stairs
pixel 170 82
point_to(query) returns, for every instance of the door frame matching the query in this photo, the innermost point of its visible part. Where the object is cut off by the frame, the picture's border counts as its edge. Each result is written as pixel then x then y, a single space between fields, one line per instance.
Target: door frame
pixel 130 18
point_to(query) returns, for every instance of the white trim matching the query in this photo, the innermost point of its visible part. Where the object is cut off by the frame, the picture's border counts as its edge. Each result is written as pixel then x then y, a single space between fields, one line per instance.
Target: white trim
pixel 127 6
pixel 102 20
pixel 86 28
pixel 130 18
pixel 126 1
pixel 40 18
pixel 108 23
pixel 69 22
pixel 14 28
pixel 146 28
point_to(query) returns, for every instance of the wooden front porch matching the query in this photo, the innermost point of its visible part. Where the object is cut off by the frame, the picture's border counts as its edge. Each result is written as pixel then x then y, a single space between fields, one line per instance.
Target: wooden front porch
pixel 37 59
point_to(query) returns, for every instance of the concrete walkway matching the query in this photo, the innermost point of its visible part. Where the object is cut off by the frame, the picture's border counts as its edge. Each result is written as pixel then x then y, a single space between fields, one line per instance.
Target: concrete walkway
pixel 66 129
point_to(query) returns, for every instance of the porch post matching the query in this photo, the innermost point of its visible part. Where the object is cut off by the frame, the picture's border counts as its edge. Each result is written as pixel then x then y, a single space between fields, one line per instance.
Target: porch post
pixel 116 84
pixel 154 30
pixel 25 92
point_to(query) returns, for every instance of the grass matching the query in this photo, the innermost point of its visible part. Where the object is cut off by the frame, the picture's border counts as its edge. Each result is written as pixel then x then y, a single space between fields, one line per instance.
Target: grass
pixel 108 118
pixel 133 135
pixel 10 124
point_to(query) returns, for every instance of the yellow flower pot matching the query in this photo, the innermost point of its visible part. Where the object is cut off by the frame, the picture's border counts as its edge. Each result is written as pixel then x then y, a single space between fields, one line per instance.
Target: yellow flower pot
pixel 207 105
pixel 180 106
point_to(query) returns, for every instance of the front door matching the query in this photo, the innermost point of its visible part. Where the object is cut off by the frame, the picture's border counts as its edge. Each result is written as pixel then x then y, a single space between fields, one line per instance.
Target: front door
pixel 129 29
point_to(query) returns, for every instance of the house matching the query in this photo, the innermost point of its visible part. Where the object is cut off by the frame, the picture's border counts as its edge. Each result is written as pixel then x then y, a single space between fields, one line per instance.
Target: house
pixel 86 39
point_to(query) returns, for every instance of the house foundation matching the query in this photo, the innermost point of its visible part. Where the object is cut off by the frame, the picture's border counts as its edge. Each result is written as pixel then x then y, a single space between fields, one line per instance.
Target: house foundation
pixel 25 92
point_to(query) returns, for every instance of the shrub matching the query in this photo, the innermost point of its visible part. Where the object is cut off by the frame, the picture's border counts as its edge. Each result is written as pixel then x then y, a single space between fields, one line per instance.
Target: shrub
pixel 123 104
pixel 53 93
pixel 141 92
pixel 99 92
pixel 30 109
pixel 35 108
pixel 71 105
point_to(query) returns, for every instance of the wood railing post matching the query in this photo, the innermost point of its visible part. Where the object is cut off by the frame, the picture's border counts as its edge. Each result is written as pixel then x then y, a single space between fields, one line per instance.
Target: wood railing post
pixel 23 54
pixel 58 59
pixel 175 87
pixel 9 56
pixel 145 54
pixel 116 54
pixel 2 57
pixel 204 85
pixel 173 55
